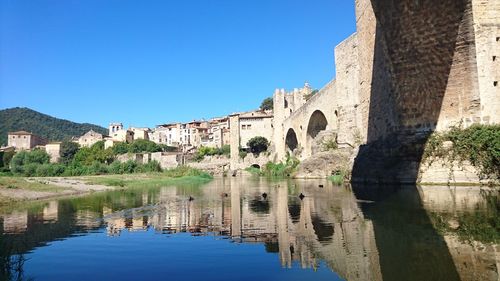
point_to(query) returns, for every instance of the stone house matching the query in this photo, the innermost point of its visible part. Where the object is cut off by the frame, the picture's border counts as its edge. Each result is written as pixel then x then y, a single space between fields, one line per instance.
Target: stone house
pixel 89 138
pixel 140 133
pixel 168 134
pixel 254 124
pixel 22 140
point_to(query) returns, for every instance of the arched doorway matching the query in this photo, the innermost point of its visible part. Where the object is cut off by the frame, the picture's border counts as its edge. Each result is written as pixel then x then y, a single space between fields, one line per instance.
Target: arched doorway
pixel 291 141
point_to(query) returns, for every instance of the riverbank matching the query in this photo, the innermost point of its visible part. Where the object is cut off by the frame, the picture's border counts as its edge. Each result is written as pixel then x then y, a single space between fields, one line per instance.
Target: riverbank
pixel 18 189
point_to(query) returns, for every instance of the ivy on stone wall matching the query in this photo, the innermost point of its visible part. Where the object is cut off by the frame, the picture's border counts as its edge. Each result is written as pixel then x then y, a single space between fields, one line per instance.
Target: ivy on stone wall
pixel 478 144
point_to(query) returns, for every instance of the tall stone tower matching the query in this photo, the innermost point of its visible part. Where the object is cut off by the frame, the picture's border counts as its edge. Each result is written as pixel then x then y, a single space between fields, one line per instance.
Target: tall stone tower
pixel 279 107
pixel 114 127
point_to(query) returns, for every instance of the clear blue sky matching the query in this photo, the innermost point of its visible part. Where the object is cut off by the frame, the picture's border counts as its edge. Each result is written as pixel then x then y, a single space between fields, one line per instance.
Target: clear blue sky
pixel 149 62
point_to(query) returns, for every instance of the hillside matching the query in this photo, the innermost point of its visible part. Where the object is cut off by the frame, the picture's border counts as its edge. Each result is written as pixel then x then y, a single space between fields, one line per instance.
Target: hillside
pixel 54 129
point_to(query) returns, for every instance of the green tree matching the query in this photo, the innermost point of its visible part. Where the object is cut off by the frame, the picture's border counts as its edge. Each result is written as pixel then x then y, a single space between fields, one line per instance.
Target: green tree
pixel 68 151
pixel 258 145
pixel 36 156
pixel 7 157
pixel 120 148
pixel 140 145
pixel 96 153
pixel 26 162
pixel 267 104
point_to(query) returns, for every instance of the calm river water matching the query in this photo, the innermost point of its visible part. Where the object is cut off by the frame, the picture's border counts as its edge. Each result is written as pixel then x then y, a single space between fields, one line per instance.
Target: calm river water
pixel 250 228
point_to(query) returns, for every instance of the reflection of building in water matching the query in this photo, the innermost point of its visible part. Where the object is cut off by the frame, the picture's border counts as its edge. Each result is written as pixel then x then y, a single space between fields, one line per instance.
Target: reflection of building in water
pixel 473 260
pixel 51 211
pixel 15 222
pixel 87 219
pixel 326 225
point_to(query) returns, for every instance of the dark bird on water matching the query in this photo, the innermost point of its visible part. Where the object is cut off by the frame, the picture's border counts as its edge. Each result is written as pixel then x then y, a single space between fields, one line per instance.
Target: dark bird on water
pixel 264 195
pixel 191 198
pixel 301 196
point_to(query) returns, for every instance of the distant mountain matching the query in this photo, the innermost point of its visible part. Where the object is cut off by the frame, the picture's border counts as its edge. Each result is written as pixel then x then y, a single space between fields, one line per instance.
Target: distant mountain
pixel 54 129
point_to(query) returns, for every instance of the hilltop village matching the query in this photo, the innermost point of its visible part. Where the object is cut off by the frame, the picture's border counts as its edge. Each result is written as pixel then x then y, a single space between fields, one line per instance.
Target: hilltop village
pixel 183 140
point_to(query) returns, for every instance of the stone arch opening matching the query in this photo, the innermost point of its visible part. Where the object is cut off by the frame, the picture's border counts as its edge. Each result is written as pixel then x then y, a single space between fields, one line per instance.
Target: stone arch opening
pixel 291 140
pixel 256 166
pixel 317 123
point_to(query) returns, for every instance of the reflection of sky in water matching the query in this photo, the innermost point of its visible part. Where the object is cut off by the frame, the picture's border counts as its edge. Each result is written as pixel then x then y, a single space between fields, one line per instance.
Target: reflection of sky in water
pixel 242 229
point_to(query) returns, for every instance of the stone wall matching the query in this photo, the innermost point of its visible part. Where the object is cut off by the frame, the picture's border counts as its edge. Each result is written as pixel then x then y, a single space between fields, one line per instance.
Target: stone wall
pixel 487 34
pixel 54 151
pixel 253 127
pixel 423 75
pixel 424 66
pixel 165 159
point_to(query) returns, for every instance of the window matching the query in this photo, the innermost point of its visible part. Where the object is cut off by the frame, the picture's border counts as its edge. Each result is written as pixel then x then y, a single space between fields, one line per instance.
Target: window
pixel 249 127
pixel 495 83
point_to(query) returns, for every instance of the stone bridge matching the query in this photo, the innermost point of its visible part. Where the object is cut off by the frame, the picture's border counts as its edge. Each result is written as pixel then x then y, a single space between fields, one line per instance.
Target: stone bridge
pixel 299 116
pixel 411 68
pixel 304 124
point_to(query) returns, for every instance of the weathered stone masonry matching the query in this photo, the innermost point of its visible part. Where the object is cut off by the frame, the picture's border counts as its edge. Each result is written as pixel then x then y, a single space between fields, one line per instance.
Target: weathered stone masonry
pixel 423 69
pixel 412 67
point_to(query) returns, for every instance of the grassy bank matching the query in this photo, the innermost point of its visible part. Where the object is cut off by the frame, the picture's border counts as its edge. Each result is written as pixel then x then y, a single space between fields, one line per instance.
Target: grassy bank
pixel 180 175
pixel 16 189
pixel 277 170
pixel 20 183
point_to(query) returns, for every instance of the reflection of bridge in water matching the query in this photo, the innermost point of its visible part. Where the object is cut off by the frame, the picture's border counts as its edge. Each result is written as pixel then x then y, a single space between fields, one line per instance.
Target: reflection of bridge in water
pixel 360 240
pixel 327 225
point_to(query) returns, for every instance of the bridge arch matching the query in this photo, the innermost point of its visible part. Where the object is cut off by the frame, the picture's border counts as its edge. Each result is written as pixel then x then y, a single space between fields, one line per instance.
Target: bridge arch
pixel 291 140
pixel 317 123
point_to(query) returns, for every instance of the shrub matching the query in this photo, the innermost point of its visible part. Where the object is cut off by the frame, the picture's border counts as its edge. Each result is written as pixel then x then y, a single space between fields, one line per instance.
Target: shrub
pixel 36 156
pixel 120 148
pixel 258 145
pixel 129 167
pixel 116 168
pixel 143 146
pixel 281 169
pixel 329 145
pixel 29 170
pixel 243 154
pixel 478 144
pixel 338 177
pixel 89 155
pixel 50 170
pixel 185 171
pixel 43 170
pixel 7 157
pixel 57 169
pixel 68 151
pixel 225 150
pixel 152 166
pixel 97 168
pixel 26 162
